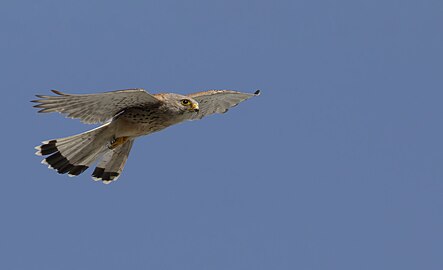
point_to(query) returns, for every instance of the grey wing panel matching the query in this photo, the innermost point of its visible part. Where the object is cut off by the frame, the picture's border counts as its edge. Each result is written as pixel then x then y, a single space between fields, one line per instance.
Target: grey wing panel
pixel 219 101
pixel 94 108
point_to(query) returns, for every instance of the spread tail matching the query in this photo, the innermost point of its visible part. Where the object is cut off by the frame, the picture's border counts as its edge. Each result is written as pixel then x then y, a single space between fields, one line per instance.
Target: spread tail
pixel 74 154
pixel 111 164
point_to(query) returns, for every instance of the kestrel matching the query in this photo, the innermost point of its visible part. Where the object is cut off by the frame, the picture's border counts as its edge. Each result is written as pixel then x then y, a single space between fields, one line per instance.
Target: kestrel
pixel 126 114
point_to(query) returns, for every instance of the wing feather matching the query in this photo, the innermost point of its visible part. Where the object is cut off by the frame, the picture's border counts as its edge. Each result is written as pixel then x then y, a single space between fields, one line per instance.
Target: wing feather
pixel 218 101
pixel 94 108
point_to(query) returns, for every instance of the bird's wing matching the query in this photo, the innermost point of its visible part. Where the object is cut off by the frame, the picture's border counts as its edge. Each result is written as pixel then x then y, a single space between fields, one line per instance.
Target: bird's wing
pixel 94 108
pixel 218 101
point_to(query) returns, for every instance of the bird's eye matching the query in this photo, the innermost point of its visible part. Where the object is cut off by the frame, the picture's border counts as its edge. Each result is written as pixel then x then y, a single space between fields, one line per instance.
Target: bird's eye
pixel 185 102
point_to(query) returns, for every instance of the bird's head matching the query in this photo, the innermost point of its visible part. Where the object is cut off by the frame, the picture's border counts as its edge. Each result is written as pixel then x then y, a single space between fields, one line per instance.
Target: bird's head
pixel 182 104
pixel 189 104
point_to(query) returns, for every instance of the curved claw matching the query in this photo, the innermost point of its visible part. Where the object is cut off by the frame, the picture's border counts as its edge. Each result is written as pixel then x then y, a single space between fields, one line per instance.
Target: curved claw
pixel 117 142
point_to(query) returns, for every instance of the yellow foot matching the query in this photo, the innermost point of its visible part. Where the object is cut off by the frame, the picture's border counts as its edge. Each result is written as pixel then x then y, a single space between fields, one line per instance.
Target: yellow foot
pixel 117 142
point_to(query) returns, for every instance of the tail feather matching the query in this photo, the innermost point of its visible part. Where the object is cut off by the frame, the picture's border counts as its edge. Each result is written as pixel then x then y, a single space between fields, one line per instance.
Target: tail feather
pixel 112 163
pixel 88 154
pixel 74 154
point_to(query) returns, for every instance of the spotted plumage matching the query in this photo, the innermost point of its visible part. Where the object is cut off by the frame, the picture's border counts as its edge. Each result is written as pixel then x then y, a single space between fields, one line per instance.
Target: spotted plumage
pixel 126 114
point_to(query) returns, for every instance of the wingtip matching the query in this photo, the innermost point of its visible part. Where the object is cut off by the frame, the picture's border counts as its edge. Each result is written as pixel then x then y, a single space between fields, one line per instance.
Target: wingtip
pixel 57 92
pixel 257 93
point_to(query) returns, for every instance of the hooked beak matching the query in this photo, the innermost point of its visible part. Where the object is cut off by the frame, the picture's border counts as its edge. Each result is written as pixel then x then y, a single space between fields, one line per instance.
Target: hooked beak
pixel 194 107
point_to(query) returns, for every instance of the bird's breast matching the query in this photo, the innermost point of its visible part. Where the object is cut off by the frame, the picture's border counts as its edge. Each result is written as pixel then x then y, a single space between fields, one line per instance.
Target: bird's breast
pixel 141 121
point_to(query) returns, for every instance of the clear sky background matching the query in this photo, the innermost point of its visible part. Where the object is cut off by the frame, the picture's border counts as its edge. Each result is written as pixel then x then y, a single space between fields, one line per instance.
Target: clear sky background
pixel 337 165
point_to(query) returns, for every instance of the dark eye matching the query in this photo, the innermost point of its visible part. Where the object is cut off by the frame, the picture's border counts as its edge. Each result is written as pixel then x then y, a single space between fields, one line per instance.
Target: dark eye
pixel 185 102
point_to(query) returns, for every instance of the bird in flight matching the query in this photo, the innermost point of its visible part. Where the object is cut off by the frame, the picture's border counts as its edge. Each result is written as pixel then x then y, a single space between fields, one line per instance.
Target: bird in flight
pixel 126 114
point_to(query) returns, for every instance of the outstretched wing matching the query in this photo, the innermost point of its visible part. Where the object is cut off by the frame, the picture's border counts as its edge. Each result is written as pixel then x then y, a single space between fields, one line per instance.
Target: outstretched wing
pixel 218 101
pixel 94 108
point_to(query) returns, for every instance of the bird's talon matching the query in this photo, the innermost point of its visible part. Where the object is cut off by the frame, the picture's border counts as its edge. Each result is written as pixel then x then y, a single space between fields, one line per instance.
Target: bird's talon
pixel 117 142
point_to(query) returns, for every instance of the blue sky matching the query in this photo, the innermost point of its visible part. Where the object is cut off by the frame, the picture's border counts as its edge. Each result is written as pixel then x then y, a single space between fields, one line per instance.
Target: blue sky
pixel 337 165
